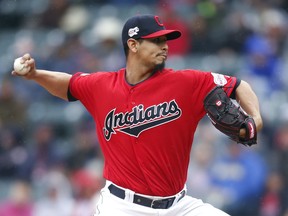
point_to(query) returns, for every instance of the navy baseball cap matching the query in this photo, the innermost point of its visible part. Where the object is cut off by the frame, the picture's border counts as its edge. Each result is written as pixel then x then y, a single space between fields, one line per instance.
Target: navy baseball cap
pixel 146 26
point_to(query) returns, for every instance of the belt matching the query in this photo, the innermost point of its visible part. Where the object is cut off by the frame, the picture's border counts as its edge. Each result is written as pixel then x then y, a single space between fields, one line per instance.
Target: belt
pixel 144 201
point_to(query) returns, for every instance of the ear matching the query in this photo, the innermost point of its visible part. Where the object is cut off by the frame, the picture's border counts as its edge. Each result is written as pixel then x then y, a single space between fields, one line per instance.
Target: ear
pixel 133 45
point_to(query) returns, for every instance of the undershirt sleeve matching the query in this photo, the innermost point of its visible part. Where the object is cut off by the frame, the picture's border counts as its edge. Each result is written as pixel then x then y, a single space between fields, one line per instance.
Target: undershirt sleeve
pixel 70 96
pixel 233 94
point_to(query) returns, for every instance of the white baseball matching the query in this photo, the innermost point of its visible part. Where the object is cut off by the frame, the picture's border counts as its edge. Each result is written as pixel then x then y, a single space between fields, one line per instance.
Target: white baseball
pixel 20 68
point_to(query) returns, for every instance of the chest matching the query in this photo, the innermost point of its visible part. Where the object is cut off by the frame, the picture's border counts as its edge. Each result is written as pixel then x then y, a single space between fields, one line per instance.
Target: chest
pixel 136 109
pixel 145 100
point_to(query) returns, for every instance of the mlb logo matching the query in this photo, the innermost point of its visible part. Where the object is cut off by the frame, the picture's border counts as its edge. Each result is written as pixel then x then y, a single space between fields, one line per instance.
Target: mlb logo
pixel 133 31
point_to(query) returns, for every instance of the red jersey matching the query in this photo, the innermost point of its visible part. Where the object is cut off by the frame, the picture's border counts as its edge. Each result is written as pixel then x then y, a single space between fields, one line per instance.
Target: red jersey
pixel 146 130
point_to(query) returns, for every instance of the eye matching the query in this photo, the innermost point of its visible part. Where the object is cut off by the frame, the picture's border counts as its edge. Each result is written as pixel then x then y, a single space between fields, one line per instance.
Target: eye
pixel 159 40
pixel 156 40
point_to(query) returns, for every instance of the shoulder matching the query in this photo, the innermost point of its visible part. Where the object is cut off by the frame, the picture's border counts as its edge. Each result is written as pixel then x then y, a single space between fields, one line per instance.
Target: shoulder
pixel 95 76
pixel 218 78
pixel 184 71
pixel 186 74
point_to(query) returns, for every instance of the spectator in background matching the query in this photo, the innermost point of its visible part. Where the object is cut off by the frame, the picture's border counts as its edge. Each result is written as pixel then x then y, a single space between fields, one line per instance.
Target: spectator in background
pixel 264 48
pixel 13 118
pixel 238 31
pixel 273 198
pixel 71 53
pixel 205 151
pixel 19 202
pixel 12 152
pixel 68 55
pixel 13 111
pixel 86 147
pixel 173 20
pixel 280 141
pixel 86 187
pixel 54 193
pixel 123 3
pixel 219 171
pixel 200 35
pixel 199 182
pixel 106 33
pixel 43 153
pixel 239 176
pixel 52 15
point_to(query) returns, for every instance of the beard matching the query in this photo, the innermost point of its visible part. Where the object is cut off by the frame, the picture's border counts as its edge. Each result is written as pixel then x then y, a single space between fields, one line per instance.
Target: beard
pixel 159 67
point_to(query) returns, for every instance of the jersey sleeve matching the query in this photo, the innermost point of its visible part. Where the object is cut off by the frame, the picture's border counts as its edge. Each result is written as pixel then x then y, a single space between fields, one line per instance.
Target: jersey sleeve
pixel 208 80
pixel 229 83
pixel 79 86
pixel 70 95
pixel 233 94
pixel 85 87
pixel 202 82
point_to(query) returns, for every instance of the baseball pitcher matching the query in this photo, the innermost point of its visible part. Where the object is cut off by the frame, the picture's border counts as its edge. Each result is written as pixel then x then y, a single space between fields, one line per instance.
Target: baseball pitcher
pixel 146 116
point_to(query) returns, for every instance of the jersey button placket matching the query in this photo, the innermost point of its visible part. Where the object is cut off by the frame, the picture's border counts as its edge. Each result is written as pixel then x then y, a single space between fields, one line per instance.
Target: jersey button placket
pixel 132 104
pixel 131 98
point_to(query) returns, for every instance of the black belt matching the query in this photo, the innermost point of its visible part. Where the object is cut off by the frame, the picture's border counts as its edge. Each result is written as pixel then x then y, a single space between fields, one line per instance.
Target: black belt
pixel 144 201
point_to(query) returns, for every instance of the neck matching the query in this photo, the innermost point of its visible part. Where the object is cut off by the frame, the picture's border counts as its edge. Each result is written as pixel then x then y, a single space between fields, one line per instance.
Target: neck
pixel 136 73
pixel 133 77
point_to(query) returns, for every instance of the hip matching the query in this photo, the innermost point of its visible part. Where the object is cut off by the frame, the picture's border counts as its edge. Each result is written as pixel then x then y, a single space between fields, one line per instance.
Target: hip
pixel 114 202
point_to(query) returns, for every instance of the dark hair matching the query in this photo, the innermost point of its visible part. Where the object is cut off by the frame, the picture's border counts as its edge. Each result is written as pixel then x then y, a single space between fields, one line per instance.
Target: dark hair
pixel 126 48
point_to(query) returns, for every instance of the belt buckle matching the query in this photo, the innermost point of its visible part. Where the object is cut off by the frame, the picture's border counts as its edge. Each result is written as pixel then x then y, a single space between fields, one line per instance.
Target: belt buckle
pixel 162 203
pixel 152 203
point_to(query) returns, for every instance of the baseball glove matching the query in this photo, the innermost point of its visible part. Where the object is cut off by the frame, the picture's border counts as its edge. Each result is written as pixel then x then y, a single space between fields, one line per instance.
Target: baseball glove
pixel 229 118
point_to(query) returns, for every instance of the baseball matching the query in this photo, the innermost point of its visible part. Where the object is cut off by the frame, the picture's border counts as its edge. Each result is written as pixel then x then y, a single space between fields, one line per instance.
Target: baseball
pixel 20 68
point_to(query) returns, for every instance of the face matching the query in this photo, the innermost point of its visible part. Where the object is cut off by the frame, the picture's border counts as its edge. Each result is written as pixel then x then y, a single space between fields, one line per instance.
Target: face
pixel 153 51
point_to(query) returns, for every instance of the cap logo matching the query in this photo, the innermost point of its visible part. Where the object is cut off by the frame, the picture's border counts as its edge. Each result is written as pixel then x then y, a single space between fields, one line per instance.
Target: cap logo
pixel 157 19
pixel 133 31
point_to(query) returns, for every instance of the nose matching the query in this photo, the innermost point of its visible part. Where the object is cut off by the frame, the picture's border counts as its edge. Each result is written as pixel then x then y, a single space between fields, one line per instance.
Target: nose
pixel 165 47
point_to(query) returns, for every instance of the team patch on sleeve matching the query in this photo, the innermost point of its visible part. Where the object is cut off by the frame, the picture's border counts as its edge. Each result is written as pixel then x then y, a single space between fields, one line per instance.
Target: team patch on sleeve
pixel 84 74
pixel 219 79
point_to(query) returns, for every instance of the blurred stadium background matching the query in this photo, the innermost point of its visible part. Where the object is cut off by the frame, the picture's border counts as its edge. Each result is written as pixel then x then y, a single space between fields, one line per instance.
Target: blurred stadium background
pixel 50 162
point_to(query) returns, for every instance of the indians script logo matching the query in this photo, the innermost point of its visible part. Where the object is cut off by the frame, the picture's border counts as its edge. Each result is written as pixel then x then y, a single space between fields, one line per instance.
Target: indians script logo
pixel 140 119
